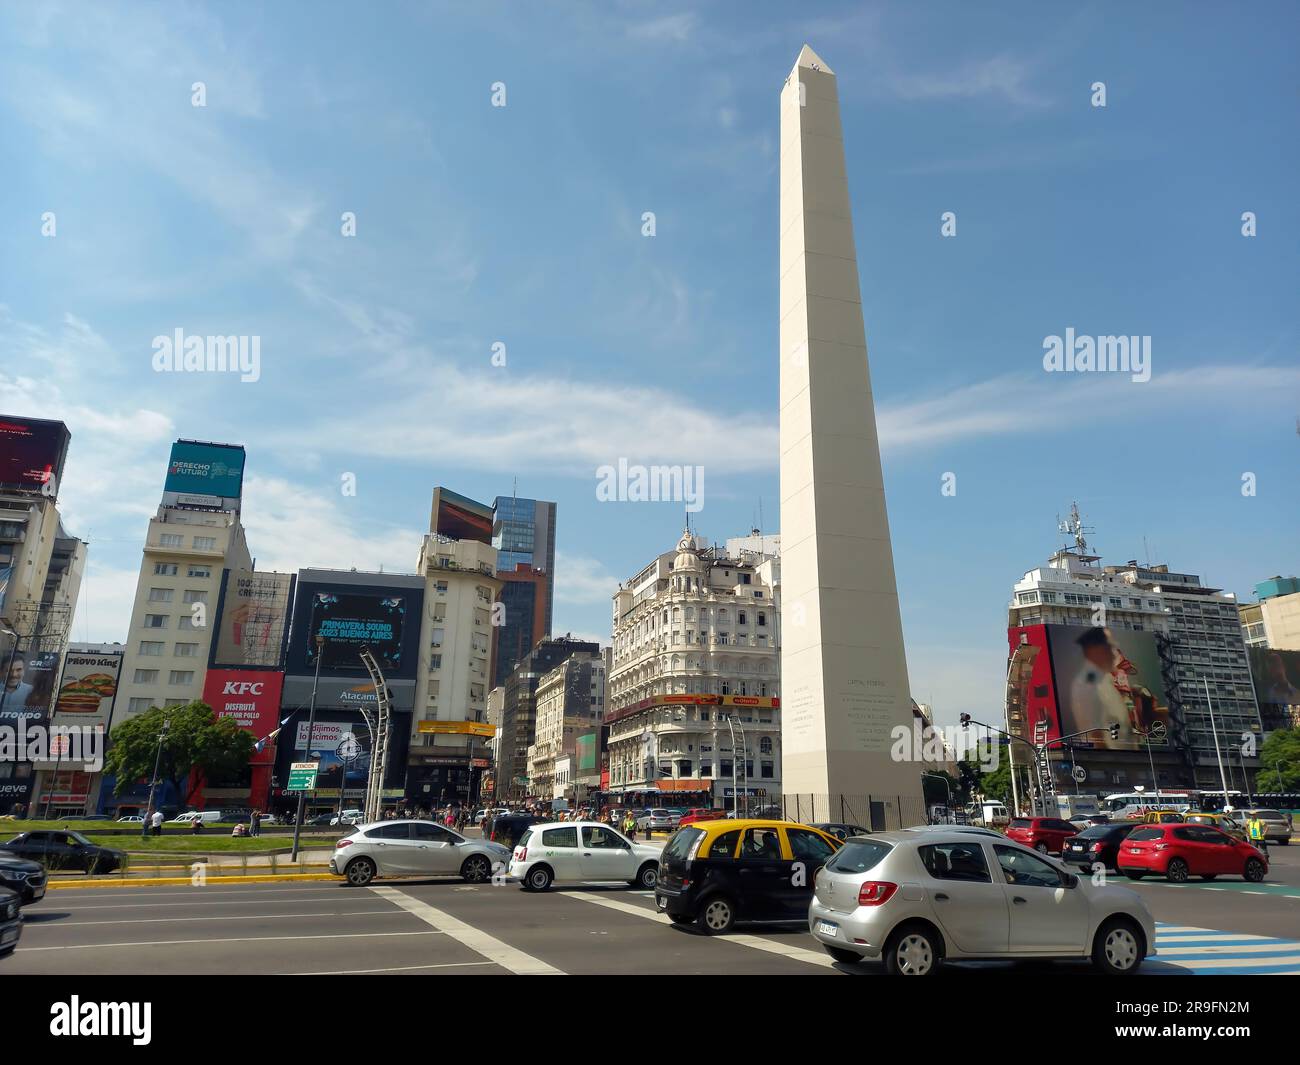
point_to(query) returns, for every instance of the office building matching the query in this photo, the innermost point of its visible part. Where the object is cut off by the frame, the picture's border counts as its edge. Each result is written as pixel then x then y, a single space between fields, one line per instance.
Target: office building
pixel 570 702
pixel 523 532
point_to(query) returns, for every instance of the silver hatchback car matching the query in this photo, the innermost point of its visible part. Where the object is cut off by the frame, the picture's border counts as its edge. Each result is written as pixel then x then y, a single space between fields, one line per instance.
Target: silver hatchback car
pixel 415 848
pixel 915 899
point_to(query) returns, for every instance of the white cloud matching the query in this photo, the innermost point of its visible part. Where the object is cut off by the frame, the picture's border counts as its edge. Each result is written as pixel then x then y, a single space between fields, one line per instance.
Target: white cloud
pixel 677 28
pixel 1001 77
pixel 580 580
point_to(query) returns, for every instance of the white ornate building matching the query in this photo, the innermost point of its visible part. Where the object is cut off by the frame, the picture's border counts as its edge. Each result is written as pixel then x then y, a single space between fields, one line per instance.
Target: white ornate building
pixel 696 653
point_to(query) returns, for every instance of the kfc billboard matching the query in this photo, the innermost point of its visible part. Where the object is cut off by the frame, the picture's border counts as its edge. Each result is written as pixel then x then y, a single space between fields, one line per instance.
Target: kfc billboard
pixel 251 697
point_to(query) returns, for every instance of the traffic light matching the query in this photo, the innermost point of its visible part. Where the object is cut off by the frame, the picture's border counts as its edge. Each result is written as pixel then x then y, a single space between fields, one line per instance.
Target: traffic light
pixel 1114 730
pixel 965 720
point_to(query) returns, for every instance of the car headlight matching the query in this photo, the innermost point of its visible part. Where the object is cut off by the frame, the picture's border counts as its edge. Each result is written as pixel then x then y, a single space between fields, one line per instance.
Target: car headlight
pixel 11 911
pixel 16 875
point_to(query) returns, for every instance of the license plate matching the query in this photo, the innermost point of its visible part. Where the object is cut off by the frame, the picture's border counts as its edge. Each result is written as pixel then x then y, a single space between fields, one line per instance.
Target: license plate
pixel 828 928
pixel 1134 850
pixel 38 893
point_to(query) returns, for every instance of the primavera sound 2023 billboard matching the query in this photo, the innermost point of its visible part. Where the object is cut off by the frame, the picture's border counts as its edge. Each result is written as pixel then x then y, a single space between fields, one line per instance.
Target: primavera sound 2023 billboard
pixel 350 621
pixel 204 474
pixel 1087 678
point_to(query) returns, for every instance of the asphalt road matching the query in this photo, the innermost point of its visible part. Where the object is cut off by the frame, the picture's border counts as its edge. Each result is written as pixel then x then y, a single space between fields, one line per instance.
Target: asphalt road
pixel 414 926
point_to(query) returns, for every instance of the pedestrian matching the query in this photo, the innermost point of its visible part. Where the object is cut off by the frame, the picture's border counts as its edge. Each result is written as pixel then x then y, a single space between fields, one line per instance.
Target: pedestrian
pixel 198 825
pixel 156 820
pixel 255 824
pixel 1258 832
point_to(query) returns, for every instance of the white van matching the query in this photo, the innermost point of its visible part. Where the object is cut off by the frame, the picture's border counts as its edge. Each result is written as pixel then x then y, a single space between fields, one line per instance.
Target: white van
pixel 207 817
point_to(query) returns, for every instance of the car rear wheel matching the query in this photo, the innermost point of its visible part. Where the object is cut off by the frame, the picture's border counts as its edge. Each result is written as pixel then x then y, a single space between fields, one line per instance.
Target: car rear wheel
pixel 647 877
pixel 360 871
pixel 847 957
pixel 476 869
pixel 716 915
pixel 1177 871
pixel 913 950
pixel 1254 871
pixel 1041 848
pixel 538 878
pixel 1118 948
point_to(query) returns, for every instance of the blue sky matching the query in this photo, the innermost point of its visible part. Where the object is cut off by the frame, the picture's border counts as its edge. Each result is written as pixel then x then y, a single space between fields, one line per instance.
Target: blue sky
pixel 522 225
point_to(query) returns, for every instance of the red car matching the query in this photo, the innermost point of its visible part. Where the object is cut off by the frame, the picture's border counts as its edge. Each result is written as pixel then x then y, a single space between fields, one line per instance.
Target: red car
pixel 1179 851
pixel 1045 834
pixel 701 814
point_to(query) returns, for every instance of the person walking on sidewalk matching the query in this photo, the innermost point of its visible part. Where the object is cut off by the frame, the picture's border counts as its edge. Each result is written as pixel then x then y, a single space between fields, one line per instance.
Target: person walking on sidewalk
pixel 155 822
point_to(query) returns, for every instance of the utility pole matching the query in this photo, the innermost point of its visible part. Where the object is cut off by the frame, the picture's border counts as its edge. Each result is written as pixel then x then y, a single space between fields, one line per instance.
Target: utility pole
pixel 311 727
pixel 1223 780
pixel 153 780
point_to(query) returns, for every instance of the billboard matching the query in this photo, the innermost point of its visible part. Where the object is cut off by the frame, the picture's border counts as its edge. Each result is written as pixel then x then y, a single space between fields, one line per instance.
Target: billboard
pixel 341 744
pixel 205 472
pixel 350 621
pixel 460 517
pixel 28 690
pixel 250 696
pixel 1088 679
pixel 1276 675
pixel 253 620
pixel 32 454
pixel 87 688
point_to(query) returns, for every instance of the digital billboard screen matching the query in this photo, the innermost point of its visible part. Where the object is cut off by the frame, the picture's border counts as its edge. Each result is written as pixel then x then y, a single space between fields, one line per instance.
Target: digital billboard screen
pixel 460 517
pixel 201 469
pixel 349 621
pixel 1276 675
pixel 1106 677
pixel 32 454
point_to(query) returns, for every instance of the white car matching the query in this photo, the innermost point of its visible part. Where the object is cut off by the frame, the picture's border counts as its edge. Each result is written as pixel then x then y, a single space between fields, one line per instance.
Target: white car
pixel 131 819
pixel 581 850
pixel 208 817
pixel 350 817
pixel 917 898
pixel 415 848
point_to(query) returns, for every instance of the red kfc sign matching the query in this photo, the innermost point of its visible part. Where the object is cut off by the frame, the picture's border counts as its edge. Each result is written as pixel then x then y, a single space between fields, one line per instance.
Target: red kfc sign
pixel 250 696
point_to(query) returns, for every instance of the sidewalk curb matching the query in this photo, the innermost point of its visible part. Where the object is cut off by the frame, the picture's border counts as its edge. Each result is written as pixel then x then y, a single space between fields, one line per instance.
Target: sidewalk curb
pixel 166 881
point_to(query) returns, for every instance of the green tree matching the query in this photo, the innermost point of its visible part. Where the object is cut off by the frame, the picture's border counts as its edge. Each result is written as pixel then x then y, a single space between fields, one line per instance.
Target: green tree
pixel 996 784
pixel 217 747
pixel 1279 761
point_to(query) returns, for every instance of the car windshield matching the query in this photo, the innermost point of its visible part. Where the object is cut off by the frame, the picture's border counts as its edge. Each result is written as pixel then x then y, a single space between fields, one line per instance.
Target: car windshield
pixel 680 845
pixel 1271 815
pixel 1022 822
pixel 857 856
pixel 1144 835
pixel 523 840
pixel 1097 832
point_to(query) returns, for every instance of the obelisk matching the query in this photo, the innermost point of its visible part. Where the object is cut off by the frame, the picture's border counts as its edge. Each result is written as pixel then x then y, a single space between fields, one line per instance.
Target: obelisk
pixel 844 680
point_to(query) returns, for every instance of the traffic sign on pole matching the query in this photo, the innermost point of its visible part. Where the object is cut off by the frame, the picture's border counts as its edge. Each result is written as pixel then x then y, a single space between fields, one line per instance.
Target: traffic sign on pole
pixel 302 776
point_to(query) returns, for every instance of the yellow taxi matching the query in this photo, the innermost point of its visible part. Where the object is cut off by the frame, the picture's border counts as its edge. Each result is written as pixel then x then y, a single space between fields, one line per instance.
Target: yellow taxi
pixel 717 873
pixel 1223 822
pixel 1162 817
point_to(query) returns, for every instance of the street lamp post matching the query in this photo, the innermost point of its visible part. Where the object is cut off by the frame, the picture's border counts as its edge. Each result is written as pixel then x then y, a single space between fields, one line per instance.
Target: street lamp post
pixel 311 727
pixel 153 781
pixel 948 785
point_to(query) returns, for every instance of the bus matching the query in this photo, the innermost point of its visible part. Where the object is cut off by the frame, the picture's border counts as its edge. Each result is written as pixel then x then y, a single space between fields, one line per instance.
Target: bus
pixel 1123 805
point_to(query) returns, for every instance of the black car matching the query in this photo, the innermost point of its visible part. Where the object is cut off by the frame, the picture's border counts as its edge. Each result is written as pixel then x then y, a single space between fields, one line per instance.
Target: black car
pixel 508 829
pixel 11 921
pixel 841 830
pixel 59 849
pixel 22 876
pixel 1097 845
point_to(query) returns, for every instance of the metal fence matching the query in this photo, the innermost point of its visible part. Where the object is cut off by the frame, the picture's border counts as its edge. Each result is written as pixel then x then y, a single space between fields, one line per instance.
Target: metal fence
pixel 875 812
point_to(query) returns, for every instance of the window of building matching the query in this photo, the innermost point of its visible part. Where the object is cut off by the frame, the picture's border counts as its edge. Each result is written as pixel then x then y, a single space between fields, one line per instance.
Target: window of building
pixel 160 595
pixel 180 676
pixel 187 650
pixel 170 540
pixel 195 595
pixel 186 621
pixel 435 661
pixel 199 571
pixel 155 621
pixel 205 543
pixel 164 569
pixel 151 647
pixel 146 676
pixel 139 705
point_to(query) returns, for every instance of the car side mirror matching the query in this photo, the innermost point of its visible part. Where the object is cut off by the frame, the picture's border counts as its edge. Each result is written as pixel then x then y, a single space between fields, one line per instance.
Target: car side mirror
pixel 1071 881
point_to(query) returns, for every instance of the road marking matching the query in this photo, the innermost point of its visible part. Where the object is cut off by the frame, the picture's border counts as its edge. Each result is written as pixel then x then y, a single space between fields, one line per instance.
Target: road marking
pixel 476 939
pixel 207 892
pixel 239 939
pixel 227 917
pixel 755 942
pixel 1227 948
pixel 399 968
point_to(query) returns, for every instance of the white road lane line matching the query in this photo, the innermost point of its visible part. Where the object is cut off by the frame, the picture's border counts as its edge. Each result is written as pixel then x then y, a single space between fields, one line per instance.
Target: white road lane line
pixel 225 917
pixel 1227 948
pixel 400 968
pixel 756 942
pixel 1235 963
pixel 238 939
pixel 191 898
pixel 476 939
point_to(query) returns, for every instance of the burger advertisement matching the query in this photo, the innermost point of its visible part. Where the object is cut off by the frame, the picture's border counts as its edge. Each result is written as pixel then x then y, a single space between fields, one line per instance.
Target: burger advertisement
pixel 86 689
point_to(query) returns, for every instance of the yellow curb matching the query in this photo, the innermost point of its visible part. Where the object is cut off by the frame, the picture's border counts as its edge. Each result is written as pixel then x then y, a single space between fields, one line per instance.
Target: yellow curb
pixel 164 881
